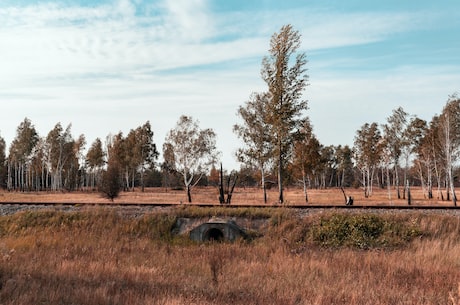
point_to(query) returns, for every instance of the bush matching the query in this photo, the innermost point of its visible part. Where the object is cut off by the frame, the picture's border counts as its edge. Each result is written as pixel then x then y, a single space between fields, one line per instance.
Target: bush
pixel 156 226
pixel 111 182
pixel 361 231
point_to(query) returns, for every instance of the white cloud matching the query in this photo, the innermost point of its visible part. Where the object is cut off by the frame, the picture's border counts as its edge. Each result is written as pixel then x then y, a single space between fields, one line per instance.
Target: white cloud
pixel 112 67
pixel 49 40
pixel 191 19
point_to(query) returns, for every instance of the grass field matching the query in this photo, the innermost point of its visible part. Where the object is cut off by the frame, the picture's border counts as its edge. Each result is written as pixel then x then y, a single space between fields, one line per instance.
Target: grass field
pixel 293 196
pixel 100 257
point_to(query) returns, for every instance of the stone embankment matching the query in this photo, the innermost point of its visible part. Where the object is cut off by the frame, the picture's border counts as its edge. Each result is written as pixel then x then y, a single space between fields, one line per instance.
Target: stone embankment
pixel 12 208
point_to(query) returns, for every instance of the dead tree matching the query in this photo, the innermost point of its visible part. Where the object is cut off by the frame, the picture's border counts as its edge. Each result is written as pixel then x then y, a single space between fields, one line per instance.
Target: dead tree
pixel 226 188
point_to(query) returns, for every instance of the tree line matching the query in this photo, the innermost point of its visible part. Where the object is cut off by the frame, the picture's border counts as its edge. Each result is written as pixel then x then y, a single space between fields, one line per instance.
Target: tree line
pixel 279 147
pixel 407 150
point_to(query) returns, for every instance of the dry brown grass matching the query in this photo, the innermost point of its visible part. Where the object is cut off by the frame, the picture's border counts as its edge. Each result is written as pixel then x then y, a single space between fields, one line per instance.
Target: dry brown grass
pixel 242 196
pixel 98 257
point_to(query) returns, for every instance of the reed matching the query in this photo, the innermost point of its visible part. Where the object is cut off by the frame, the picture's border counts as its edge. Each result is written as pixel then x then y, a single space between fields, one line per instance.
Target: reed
pixel 102 257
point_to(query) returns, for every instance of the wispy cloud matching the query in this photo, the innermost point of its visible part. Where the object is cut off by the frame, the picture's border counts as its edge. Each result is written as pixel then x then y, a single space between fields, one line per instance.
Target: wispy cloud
pixel 56 40
pixel 128 61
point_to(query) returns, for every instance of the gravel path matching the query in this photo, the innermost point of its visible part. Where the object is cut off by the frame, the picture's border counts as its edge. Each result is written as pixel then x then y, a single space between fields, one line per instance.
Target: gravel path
pixel 139 210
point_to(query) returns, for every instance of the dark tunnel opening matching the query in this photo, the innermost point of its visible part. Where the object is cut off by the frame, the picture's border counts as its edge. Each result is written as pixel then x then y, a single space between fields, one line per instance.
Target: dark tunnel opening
pixel 214 234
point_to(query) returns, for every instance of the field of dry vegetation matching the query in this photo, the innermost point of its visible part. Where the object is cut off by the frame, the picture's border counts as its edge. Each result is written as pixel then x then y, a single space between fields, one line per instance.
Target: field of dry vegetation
pixel 241 196
pixel 96 256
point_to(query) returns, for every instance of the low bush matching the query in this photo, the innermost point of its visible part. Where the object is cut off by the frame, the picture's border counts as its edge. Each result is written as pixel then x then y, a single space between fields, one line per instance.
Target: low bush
pixel 362 231
pixel 188 211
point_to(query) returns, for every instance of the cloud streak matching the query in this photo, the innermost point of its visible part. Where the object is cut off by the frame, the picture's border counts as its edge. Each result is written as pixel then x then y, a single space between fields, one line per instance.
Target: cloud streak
pixel 113 66
pixel 55 40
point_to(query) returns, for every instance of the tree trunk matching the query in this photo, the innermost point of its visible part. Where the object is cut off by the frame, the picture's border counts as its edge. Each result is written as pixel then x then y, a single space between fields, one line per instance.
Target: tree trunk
pixel 264 188
pixel 304 181
pixel 142 179
pixel 430 184
pixel 364 183
pixel 344 195
pixel 9 177
pixel 280 178
pixel 189 194
pixel 221 186
pixel 422 180
pixel 452 189
pixel 388 183
pixel 133 180
pixel 409 199
pixel 231 189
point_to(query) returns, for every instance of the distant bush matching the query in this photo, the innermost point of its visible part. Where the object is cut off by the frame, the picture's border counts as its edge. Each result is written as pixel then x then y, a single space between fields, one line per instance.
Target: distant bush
pixel 155 226
pixel 111 182
pixel 362 231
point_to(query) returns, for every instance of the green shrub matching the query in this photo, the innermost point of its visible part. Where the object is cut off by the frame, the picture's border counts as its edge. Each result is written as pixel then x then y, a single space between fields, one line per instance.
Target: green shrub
pixel 156 227
pixel 186 211
pixel 362 231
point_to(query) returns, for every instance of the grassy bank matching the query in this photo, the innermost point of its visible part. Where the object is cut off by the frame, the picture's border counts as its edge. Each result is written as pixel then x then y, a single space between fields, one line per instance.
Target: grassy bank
pixel 100 257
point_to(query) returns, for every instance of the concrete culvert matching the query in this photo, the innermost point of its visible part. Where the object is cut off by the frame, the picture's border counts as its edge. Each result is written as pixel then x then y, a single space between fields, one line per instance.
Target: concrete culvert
pixel 217 230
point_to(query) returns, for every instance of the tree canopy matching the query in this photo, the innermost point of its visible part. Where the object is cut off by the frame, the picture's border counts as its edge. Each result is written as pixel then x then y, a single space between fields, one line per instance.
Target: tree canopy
pixel 190 151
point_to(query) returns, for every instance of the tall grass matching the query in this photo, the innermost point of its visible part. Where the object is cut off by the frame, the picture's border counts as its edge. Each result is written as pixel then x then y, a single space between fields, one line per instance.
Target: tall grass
pixel 100 257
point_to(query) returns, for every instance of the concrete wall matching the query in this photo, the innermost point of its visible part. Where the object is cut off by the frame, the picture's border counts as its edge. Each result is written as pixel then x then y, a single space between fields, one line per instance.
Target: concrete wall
pixel 217 231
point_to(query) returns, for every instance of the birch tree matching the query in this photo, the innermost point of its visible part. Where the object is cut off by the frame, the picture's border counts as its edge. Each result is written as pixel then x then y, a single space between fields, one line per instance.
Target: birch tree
pixel 95 160
pixel 64 156
pixel 190 151
pixel 40 166
pixel 367 152
pixel 306 156
pixel 413 133
pixel 144 151
pixel 450 140
pixel 424 159
pixel 256 135
pixel 3 169
pixel 20 155
pixel 434 141
pixel 393 135
pixel 344 155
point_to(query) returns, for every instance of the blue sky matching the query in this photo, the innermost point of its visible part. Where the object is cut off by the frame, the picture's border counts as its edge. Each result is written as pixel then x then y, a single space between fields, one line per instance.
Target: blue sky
pixel 110 65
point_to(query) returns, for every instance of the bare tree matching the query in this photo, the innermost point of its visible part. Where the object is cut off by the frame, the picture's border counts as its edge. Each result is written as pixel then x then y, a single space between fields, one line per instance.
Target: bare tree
pixel 286 80
pixel 190 151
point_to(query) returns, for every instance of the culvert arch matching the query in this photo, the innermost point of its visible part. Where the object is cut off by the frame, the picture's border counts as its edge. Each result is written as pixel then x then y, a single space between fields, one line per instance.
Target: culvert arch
pixel 217 230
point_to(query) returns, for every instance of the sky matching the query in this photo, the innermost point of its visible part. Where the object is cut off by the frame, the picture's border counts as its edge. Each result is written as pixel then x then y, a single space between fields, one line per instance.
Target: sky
pixel 107 66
